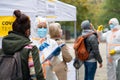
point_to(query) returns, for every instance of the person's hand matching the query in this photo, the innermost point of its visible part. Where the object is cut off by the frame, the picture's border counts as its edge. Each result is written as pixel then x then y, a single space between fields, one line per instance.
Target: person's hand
pixel 100 28
pixel 112 52
pixel 60 42
pixel 100 65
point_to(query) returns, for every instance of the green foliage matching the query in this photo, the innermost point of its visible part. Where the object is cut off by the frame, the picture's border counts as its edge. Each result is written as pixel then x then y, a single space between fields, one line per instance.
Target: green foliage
pixel 82 10
pixel 111 9
pixel 97 11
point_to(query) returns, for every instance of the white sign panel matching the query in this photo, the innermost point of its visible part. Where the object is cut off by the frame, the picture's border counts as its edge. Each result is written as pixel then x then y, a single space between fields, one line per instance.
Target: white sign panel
pixel 51 9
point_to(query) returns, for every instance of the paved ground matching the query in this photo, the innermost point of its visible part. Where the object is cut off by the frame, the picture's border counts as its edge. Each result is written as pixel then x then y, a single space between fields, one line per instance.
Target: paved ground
pixel 101 72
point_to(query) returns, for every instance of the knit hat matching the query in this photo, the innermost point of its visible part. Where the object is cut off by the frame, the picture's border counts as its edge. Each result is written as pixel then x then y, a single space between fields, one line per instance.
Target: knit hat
pixel 85 24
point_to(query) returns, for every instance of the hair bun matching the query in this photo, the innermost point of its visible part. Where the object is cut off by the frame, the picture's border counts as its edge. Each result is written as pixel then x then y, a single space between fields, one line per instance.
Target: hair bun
pixel 17 13
pixel 23 18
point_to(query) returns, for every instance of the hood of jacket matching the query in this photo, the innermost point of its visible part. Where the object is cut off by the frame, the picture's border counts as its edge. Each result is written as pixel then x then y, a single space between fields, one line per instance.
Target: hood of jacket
pixel 115 22
pixel 87 31
pixel 14 42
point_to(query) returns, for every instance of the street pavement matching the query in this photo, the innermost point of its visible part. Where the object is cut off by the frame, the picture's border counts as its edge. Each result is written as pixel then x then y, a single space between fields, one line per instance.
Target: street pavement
pixel 101 73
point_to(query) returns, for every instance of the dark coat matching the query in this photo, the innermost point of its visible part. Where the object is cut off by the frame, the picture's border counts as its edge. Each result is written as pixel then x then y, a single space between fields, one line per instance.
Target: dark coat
pixel 14 42
pixel 92 46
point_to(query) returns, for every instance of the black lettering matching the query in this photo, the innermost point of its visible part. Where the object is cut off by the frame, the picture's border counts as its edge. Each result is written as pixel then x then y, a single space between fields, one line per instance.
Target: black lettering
pixel 3 23
pixel 7 23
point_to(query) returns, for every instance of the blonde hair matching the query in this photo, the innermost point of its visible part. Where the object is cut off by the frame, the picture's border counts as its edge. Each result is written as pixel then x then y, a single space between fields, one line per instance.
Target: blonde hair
pixel 54 30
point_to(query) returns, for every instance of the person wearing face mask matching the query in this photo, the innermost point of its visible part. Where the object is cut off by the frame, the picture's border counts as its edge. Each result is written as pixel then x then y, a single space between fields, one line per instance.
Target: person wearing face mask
pixel 42 28
pixel 46 46
pixel 112 39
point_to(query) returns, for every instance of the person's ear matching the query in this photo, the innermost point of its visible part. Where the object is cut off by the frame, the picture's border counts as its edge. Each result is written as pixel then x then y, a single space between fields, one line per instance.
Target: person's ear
pixel 27 33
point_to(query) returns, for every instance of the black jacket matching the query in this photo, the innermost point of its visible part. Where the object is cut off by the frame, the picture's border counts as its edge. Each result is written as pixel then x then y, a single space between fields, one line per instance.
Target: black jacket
pixel 92 46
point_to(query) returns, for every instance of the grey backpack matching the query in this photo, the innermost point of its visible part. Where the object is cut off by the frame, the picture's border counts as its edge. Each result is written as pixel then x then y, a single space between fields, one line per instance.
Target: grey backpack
pixel 10 66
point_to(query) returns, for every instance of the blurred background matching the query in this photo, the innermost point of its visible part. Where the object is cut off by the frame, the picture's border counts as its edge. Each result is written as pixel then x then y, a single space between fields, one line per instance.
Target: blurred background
pixel 97 11
pixel 69 13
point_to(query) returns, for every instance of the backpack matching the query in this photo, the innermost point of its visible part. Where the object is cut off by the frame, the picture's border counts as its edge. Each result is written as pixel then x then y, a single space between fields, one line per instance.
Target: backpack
pixel 80 48
pixel 10 66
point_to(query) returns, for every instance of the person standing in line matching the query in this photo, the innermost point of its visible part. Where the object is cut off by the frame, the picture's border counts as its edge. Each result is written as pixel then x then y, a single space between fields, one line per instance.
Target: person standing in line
pixel 17 39
pixel 59 62
pixel 92 46
pixel 112 39
pixel 45 45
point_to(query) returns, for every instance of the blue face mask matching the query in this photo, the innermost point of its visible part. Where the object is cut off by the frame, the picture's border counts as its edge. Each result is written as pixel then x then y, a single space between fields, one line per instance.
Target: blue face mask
pixel 42 32
pixel 111 26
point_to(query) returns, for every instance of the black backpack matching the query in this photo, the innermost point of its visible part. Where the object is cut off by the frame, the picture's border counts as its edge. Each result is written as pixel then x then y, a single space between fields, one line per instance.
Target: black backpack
pixel 10 66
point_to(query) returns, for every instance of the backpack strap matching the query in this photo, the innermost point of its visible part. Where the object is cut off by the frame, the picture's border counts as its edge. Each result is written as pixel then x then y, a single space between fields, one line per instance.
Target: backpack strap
pixel 31 62
pixel 85 36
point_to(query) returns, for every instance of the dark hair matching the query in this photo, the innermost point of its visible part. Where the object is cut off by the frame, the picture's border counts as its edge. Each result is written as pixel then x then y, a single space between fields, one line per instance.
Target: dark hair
pixel 22 22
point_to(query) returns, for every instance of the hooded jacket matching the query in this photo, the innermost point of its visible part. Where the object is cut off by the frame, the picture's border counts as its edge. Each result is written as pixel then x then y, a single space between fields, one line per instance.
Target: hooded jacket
pixel 91 44
pixel 14 42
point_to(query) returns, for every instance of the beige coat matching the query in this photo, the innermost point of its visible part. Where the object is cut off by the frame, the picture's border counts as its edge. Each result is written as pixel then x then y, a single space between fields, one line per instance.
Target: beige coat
pixel 60 67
